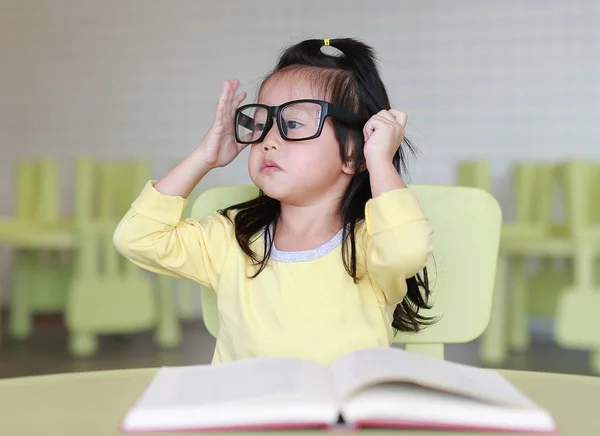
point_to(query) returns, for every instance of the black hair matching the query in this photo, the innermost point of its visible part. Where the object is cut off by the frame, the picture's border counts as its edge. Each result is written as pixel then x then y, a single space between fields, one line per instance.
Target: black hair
pixel 349 79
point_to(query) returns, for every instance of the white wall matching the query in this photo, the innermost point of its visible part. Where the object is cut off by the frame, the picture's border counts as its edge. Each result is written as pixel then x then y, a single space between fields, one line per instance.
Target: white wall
pixel 504 80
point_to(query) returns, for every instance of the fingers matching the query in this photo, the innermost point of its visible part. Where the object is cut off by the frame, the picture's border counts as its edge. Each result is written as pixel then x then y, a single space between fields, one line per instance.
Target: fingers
pixel 369 127
pixel 386 116
pixel 391 118
pixel 231 86
pixel 393 115
pixel 401 117
pixel 238 99
pixel 222 102
pixel 233 101
pixel 228 101
pixel 380 118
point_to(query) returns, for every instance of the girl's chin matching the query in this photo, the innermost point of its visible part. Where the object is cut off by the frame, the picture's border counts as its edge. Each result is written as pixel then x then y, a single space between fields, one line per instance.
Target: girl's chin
pixel 273 189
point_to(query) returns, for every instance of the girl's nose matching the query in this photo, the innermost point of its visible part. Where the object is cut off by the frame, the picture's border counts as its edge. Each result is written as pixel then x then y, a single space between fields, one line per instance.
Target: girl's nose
pixel 272 140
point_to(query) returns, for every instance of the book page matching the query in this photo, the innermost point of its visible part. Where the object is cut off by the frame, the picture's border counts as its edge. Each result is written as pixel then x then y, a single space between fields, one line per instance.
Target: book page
pixel 258 392
pixel 263 378
pixel 364 368
pixel 407 404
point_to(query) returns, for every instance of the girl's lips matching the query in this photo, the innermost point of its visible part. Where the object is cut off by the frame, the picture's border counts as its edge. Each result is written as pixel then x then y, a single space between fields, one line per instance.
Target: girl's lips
pixel 270 166
pixel 271 169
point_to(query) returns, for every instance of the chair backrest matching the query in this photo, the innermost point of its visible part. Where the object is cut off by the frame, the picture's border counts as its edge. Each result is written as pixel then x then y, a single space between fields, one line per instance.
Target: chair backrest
pixel 103 193
pixel 534 188
pixel 38 190
pixel 594 194
pixel 466 222
pixel 475 174
pixel 582 180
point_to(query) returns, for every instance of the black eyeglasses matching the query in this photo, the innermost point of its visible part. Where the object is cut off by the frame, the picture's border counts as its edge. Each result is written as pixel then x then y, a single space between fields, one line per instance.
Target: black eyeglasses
pixel 297 120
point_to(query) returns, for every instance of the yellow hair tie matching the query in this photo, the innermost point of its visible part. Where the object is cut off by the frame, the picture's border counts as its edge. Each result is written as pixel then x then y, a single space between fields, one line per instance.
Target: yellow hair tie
pixel 326 42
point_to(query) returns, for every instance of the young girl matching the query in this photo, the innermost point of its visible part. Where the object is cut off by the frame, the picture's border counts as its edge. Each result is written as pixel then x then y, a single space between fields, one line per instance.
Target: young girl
pixel 325 260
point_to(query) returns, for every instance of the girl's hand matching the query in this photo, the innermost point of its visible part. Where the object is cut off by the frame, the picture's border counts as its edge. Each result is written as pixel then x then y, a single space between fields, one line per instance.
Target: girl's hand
pixel 219 147
pixel 383 134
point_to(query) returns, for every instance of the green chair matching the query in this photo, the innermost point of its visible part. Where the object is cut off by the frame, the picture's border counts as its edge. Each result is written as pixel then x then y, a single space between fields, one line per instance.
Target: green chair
pixel 107 294
pixel 467 233
pixel 578 323
pixel 529 233
pixel 39 235
pixel 551 291
pixel 535 233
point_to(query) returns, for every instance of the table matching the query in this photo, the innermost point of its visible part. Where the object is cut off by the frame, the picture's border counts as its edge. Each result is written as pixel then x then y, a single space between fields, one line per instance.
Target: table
pixel 94 403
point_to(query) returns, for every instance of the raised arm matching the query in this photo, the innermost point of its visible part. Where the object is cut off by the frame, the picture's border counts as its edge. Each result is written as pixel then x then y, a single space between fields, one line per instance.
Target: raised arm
pixel 152 234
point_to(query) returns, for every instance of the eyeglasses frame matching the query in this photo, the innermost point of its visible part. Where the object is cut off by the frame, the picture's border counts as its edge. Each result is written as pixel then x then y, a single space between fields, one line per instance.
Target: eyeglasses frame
pixel 327 110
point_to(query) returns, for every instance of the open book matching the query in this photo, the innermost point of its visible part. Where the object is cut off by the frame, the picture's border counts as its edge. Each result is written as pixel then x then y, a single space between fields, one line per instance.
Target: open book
pixel 377 387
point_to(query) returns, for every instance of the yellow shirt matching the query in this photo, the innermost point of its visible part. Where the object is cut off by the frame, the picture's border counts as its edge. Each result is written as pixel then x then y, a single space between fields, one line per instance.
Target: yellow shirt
pixel 303 304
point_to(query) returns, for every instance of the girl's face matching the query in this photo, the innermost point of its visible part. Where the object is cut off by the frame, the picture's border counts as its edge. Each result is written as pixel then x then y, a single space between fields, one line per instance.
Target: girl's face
pixel 301 173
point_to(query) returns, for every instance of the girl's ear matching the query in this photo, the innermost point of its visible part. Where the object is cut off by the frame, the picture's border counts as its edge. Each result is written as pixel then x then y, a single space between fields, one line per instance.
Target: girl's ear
pixel 348 167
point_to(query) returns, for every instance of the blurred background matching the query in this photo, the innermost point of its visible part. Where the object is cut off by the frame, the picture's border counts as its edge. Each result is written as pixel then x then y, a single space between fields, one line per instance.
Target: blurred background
pixel 98 97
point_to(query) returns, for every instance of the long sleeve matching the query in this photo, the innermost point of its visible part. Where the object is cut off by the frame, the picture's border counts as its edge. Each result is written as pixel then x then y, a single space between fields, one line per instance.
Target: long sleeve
pixel 153 236
pixel 399 241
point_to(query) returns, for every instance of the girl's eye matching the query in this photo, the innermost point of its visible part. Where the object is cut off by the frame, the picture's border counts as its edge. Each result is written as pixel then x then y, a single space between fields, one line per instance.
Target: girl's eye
pixel 259 127
pixel 293 124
